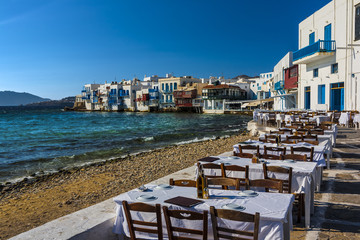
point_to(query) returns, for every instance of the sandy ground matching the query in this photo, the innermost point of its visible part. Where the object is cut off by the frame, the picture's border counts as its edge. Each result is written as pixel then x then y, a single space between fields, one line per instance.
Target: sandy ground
pixel 31 203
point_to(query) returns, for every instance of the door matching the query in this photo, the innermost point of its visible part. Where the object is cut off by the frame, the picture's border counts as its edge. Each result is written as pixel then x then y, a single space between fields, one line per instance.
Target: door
pixel 307 98
pixel 337 96
pixel 327 37
pixel 311 38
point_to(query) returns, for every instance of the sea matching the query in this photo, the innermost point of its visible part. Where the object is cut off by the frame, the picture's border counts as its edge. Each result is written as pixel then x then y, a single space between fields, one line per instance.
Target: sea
pixel 41 140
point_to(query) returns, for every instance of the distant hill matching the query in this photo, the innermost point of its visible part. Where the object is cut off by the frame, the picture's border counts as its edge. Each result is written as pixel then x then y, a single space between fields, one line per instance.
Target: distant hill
pixel 10 98
pixel 244 77
pixel 65 102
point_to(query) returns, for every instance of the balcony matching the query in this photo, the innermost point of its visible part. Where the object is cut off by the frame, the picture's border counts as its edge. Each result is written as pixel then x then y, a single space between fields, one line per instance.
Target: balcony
pixel 279 85
pixel 316 51
pixel 259 88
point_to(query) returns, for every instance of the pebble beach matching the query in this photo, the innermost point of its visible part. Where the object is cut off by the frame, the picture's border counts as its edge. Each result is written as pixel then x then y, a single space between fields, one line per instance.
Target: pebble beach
pixel 33 202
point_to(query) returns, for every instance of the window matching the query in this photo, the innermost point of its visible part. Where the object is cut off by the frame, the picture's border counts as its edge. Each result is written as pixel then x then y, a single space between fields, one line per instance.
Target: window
pixel 162 87
pixel 175 86
pixel 167 87
pixel 321 94
pixel 334 68
pixel 315 72
pixel 167 98
pixel 357 22
pixel 170 98
pixel 293 72
pixel 171 87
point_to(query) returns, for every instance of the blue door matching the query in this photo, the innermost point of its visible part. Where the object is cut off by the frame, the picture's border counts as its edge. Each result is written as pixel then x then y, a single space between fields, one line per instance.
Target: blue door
pixel 311 38
pixel 327 37
pixel 327 33
pixel 307 98
pixel 337 96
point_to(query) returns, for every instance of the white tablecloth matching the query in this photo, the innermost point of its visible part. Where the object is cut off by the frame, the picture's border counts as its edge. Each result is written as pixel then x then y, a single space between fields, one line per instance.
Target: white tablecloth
pixel 275 210
pixel 356 118
pixel 305 175
pixel 344 118
pixel 289 118
pixel 319 119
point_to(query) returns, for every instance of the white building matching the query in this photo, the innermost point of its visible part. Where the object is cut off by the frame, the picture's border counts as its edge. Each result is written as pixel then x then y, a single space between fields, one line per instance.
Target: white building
pixel 262 85
pixel 328 57
pixel 284 88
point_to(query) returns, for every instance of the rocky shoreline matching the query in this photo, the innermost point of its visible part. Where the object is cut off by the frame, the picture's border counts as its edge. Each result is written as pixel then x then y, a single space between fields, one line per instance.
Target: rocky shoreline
pixel 33 202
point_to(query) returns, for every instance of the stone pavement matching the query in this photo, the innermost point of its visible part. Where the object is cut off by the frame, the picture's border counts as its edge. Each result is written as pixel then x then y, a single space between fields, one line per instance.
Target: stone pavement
pixel 337 205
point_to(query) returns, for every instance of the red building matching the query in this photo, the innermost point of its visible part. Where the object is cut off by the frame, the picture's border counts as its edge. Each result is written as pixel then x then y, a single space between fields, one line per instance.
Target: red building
pixel 291 77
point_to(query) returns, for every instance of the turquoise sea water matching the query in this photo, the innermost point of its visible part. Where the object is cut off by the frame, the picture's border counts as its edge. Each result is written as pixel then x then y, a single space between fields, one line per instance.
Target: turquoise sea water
pixel 36 140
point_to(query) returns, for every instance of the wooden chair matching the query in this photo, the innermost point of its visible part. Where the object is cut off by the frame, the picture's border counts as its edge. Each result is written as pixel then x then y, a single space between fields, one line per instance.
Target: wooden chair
pixel 278 150
pixel 288 141
pixel 236 168
pixel 302 131
pixel 270 156
pixel 286 185
pixel 254 149
pixel 293 137
pixel 182 183
pixel 310 124
pixel 311 142
pixel 276 169
pixel 317 131
pixel 297 124
pixel 287 131
pixel 310 137
pixel 223 232
pixel 297 157
pixel 244 155
pixel 210 166
pixel 276 132
pixel 310 156
pixel 225 183
pixel 151 227
pixel 185 215
pixel 266 183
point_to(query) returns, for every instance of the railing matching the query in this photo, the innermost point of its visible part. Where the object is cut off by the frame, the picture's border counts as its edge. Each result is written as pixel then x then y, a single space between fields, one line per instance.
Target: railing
pixel 319 46
pixel 279 85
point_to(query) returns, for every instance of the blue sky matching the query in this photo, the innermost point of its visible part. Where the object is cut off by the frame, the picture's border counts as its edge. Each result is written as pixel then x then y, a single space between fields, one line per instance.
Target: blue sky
pixel 51 48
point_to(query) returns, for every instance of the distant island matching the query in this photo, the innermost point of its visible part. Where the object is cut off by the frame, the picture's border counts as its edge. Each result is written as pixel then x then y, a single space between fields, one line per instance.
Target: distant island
pixel 11 98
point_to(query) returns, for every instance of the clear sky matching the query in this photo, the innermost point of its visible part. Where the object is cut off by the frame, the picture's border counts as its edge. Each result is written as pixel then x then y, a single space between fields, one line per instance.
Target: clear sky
pixel 51 48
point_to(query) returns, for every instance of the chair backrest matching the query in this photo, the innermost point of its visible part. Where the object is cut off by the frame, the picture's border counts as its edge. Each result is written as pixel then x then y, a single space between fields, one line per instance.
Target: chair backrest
pixel 223 232
pixel 286 130
pixel 317 131
pixel 224 182
pixel 182 182
pixel 293 137
pixel 151 227
pixel 235 168
pixel 244 155
pixel 270 156
pixel 311 142
pixel 298 157
pixel 289 141
pixel 282 170
pixel 278 150
pixel 267 184
pixel 210 166
pixel 270 136
pixel 302 130
pixel 276 132
pixel 185 215
pixel 310 156
pixel 310 137
pixel 254 149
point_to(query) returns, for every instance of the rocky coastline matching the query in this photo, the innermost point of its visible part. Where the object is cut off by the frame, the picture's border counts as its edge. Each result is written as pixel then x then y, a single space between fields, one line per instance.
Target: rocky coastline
pixel 35 201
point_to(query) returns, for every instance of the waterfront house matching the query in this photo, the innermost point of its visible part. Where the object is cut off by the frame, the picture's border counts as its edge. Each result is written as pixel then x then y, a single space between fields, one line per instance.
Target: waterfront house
pixel 129 94
pixel 215 97
pixel 168 85
pixel 189 97
pixel 329 58
pixel 89 95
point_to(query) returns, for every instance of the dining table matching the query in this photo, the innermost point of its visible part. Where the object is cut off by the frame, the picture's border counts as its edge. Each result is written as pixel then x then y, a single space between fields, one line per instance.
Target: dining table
pixel 275 209
pixel 305 176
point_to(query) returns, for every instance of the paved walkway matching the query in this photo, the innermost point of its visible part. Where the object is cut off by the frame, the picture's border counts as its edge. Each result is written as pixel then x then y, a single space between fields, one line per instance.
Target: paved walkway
pixel 337 205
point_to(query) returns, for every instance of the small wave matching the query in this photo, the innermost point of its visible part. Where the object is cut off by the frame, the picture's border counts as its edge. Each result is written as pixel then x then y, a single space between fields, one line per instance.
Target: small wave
pixel 233 130
pixel 195 140
pixel 146 139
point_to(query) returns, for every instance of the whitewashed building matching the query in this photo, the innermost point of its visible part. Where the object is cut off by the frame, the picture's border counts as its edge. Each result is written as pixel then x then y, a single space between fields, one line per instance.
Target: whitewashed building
pixel 328 57
pixel 284 89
